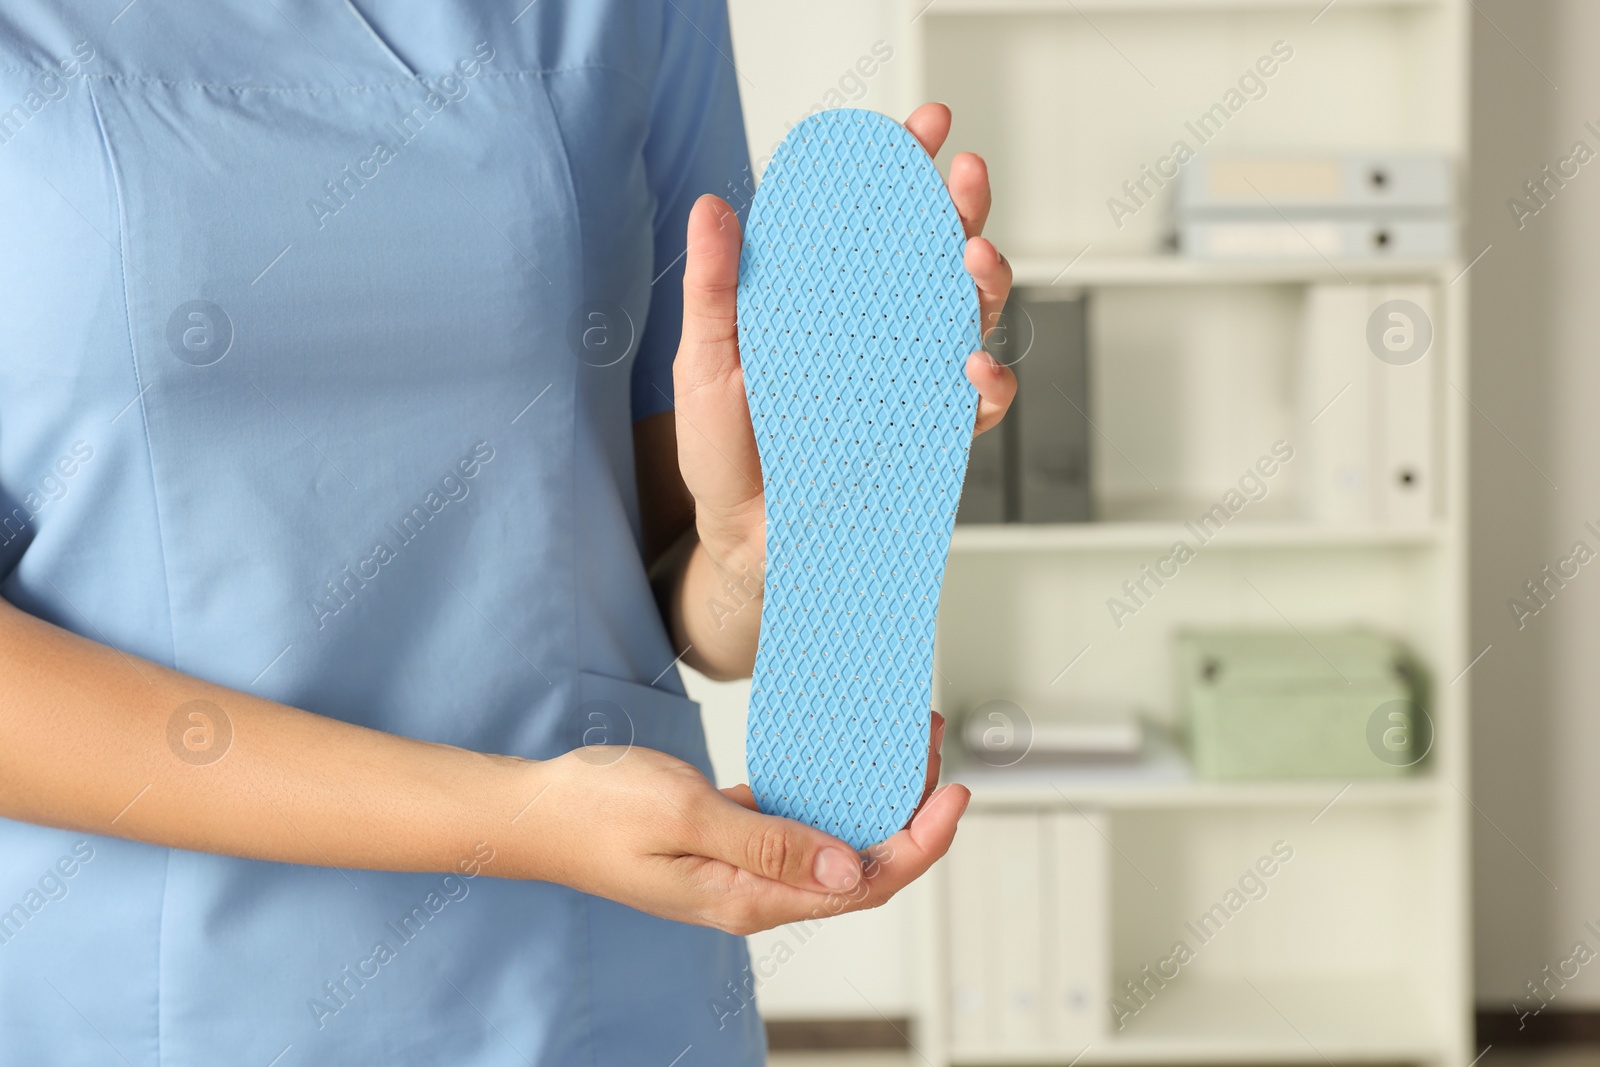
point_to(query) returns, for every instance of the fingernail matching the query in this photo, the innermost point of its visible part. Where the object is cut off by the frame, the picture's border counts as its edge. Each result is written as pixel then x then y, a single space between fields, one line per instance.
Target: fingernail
pixel 837 869
pixel 938 733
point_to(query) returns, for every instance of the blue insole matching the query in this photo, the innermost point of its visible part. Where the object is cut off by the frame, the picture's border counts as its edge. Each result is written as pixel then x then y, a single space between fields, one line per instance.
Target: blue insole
pixel 856 318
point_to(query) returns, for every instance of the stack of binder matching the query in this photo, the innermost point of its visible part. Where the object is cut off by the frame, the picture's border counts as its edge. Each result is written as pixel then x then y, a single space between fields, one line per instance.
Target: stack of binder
pixel 1335 206
pixel 1027 893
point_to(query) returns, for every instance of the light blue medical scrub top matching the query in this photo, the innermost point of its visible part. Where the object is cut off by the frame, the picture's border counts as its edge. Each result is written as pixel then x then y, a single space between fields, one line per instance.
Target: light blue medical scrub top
pixel 323 327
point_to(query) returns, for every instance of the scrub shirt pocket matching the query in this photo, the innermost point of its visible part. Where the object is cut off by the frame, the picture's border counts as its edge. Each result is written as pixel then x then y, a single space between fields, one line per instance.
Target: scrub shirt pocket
pixel 614 712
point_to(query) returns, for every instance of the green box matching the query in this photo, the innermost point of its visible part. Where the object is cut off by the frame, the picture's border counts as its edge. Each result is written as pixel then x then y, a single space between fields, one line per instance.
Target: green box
pixel 1292 704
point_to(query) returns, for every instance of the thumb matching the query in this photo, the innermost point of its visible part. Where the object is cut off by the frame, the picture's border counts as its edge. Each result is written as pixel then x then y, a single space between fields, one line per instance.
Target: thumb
pixel 709 348
pixel 781 850
pixel 740 794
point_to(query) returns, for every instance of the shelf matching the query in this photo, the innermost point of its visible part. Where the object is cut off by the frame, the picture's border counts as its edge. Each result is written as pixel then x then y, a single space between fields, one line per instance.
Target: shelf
pixel 1165 780
pixel 1063 272
pixel 1124 536
pixel 1373 1017
pixel 1033 7
pixel 1194 1020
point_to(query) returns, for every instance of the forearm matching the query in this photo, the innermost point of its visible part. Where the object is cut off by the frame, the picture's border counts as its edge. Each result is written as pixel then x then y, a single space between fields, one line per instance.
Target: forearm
pixel 715 607
pixel 87 742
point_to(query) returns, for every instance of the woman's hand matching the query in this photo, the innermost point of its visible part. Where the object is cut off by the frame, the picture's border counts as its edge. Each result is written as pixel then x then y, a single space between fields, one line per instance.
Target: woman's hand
pixel 649 831
pixel 716 442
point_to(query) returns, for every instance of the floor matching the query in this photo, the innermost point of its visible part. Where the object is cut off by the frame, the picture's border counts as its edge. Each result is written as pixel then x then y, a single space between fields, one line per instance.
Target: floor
pixel 1495 1058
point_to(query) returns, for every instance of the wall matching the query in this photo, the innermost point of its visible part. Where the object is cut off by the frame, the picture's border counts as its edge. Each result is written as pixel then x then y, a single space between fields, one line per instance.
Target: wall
pixel 794 58
pixel 1535 484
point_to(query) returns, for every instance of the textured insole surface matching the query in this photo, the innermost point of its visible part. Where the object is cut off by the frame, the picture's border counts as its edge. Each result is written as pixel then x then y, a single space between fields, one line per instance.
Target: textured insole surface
pixel 856 318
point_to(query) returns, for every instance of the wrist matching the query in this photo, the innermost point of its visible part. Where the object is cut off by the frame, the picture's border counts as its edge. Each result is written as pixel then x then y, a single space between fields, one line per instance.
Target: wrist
pixel 717 613
pixel 735 545
pixel 714 608
pixel 514 811
pixel 737 570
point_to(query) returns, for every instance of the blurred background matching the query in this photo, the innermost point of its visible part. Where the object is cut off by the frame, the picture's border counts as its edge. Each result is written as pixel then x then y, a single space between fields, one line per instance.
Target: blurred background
pixel 1268 633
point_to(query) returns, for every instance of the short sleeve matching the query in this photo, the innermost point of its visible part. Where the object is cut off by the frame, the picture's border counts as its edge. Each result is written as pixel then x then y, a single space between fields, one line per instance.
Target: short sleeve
pixel 696 145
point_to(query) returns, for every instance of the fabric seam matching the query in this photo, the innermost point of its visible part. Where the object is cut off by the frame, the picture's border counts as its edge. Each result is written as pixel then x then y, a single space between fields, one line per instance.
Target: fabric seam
pixel 144 419
pixel 334 90
pixel 161 952
pixel 383 43
pixel 572 488
pixel 144 413
pixel 584 901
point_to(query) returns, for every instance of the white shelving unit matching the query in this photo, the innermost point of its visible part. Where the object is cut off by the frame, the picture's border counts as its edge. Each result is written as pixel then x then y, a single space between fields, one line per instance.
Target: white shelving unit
pixel 1359 952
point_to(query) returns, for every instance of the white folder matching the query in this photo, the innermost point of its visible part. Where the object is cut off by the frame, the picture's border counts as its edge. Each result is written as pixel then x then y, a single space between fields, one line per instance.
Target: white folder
pixel 1335 431
pixel 1220 183
pixel 1368 424
pixel 1317 238
pixel 1016 921
pixel 1078 965
pixel 971 1011
pixel 1404 472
